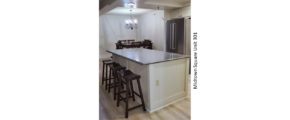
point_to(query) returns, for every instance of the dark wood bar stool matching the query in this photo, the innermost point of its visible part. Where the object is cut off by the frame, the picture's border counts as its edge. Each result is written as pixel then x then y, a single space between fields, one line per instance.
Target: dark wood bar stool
pixel 114 68
pixel 106 64
pixel 126 77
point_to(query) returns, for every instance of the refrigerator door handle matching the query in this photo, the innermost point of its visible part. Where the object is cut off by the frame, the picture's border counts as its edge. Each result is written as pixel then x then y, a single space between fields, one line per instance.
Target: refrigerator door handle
pixel 171 31
pixel 174 36
pixel 169 36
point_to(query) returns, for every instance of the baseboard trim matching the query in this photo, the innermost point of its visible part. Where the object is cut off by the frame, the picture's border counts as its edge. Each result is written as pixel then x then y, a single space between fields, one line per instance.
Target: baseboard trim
pixel 161 107
pixel 176 98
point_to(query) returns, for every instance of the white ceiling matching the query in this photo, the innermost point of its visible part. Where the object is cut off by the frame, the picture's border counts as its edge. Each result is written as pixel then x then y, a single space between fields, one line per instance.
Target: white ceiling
pixel 126 11
pixel 168 4
pixel 143 6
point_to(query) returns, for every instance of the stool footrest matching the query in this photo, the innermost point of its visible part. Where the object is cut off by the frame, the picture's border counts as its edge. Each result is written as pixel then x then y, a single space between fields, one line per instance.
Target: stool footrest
pixel 112 86
pixel 137 94
pixel 124 98
pixel 121 92
pixel 135 107
pixel 109 78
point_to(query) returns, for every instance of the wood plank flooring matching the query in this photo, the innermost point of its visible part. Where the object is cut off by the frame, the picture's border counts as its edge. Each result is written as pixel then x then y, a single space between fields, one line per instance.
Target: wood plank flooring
pixel 109 111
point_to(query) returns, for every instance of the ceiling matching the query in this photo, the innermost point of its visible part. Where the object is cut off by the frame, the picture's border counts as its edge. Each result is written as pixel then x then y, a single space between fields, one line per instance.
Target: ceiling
pixel 168 4
pixel 126 11
pixel 143 6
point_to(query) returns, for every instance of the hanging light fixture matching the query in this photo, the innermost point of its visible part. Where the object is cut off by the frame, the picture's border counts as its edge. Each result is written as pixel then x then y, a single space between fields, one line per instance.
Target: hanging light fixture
pixel 130 5
pixel 131 23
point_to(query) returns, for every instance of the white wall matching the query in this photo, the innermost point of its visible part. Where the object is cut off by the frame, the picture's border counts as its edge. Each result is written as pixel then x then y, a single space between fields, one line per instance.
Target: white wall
pixel 112 28
pixel 152 26
pixel 178 13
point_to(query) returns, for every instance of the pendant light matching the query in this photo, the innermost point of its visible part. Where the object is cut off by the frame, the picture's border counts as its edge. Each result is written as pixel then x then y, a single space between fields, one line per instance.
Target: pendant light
pixel 131 23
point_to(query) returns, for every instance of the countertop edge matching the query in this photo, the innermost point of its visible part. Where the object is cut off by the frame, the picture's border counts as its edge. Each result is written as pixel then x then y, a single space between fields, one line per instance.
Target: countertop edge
pixel 148 63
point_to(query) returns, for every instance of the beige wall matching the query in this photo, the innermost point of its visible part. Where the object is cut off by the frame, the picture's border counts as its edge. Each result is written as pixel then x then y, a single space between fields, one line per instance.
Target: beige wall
pixel 112 28
pixel 152 27
pixel 178 13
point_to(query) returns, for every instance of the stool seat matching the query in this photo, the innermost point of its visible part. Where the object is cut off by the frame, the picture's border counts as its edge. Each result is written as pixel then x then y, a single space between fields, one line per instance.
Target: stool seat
pixel 132 76
pixel 113 64
pixel 118 68
pixel 108 62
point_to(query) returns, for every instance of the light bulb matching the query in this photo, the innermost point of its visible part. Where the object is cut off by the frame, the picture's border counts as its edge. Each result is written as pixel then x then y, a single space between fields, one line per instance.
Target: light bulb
pixel 130 5
pixel 127 21
pixel 135 21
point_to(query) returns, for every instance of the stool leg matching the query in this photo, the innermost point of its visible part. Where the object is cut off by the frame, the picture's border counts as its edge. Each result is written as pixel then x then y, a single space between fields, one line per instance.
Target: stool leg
pixel 106 79
pixel 118 95
pixel 103 73
pixel 141 94
pixel 110 80
pixel 122 85
pixel 132 90
pixel 127 100
pixel 129 91
pixel 116 82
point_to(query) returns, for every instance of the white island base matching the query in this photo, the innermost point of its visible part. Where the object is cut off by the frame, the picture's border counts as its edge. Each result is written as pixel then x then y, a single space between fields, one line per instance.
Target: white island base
pixel 163 83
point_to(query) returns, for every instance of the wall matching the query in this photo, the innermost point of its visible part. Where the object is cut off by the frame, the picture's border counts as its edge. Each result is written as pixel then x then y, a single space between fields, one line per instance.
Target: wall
pixel 152 26
pixel 178 13
pixel 112 28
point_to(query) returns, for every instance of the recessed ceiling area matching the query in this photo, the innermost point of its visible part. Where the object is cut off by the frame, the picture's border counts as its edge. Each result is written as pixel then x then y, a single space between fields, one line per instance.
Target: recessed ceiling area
pixel 126 11
pixel 143 5
pixel 168 4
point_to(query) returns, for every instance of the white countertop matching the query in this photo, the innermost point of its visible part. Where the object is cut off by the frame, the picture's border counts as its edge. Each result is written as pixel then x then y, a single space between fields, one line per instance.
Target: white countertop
pixel 147 56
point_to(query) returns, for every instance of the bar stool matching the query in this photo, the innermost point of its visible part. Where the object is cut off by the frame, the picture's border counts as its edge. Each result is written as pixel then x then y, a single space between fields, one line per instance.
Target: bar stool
pixel 106 64
pixel 114 68
pixel 127 78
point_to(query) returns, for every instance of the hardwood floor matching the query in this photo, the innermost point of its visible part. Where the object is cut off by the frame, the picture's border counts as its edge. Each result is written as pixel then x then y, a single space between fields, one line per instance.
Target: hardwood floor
pixel 109 111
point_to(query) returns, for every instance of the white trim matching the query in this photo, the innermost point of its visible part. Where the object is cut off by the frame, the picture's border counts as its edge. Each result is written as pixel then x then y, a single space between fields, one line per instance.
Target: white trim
pixel 161 107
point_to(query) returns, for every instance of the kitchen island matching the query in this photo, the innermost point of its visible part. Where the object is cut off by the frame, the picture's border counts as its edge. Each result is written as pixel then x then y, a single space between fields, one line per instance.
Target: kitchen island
pixel 164 75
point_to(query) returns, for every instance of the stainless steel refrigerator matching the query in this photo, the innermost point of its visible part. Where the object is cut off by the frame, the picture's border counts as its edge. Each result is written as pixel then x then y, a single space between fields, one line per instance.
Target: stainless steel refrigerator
pixel 178 35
